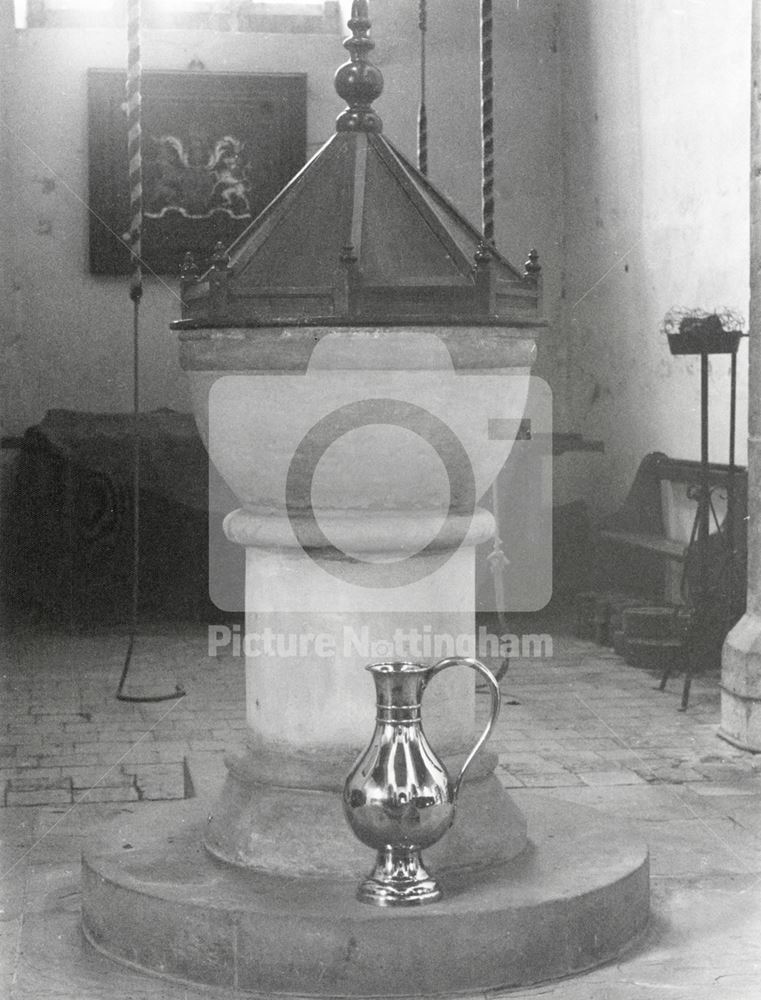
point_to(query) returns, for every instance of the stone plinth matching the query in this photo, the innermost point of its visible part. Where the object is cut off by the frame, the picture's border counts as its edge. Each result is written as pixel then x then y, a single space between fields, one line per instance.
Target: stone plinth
pixel 350 525
pixel 574 898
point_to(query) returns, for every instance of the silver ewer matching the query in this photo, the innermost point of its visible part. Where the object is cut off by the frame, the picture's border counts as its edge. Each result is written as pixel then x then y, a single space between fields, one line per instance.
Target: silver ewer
pixel 399 798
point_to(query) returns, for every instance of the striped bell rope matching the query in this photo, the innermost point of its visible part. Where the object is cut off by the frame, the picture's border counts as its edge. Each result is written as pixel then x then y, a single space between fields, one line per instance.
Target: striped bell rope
pixel 422 117
pixel 496 559
pixel 135 155
pixel 134 146
pixel 487 124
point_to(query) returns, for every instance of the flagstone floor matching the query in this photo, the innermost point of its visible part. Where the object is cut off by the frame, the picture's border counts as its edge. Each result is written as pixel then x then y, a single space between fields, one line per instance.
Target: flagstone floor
pixel 580 725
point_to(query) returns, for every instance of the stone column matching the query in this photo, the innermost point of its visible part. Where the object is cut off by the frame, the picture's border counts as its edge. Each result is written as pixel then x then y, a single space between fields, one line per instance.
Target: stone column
pixel 741 660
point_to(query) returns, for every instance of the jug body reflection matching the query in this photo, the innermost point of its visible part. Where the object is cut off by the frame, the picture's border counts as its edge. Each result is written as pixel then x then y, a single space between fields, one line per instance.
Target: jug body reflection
pixel 399 798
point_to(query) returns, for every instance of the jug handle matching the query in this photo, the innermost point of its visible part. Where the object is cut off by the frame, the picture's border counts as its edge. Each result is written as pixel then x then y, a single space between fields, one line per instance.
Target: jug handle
pixel 496 702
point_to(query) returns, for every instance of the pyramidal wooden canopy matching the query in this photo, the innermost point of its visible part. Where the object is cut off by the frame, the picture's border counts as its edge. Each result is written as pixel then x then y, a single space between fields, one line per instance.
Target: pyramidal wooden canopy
pixel 358 235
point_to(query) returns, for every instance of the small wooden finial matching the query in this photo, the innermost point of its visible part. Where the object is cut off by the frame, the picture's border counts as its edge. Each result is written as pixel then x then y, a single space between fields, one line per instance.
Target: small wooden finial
pixel 484 253
pixel 485 278
pixel 188 269
pixel 219 257
pixel 358 81
pixel 346 281
pixel 218 274
pixel 532 268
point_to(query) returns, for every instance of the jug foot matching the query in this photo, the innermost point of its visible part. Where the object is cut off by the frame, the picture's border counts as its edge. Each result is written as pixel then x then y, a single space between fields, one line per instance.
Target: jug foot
pixel 399 879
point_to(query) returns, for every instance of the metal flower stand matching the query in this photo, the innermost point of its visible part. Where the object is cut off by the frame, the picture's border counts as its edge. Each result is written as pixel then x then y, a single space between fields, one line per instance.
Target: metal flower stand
pixel 710 586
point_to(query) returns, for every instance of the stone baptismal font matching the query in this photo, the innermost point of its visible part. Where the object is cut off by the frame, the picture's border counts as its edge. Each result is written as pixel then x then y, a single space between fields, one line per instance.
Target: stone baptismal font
pixel 359 362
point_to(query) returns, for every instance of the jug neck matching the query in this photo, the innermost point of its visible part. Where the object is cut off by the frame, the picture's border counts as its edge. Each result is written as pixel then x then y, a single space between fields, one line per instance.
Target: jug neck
pixel 399 690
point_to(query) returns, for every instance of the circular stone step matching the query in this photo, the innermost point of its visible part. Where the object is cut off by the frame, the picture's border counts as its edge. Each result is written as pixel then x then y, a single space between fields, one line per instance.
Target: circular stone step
pixel 155 900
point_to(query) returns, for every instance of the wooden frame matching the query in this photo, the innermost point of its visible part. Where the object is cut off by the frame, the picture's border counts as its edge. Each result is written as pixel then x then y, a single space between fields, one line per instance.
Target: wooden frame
pixel 217 147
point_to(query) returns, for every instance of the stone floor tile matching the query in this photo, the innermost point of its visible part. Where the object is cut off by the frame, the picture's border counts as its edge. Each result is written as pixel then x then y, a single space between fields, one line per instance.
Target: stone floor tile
pixel 643 802
pixel 52 887
pixel 27 779
pixel 597 743
pixel 105 776
pixel 10 937
pixel 510 780
pixel 67 759
pixel 732 804
pixel 43 796
pixel 552 779
pixel 672 775
pixel 13 878
pixel 624 758
pixel 620 777
pixel 700 846
pixel 61 832
pixel 540 765
pixel 104 793
pixel 161 781
pixel 581 757
pixel 726 794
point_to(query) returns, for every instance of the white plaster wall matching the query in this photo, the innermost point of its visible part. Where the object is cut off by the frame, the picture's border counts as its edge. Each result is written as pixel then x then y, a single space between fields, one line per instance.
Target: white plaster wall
pixel 66 335
pixel 528 164
pixel 7 327
pixel 655 144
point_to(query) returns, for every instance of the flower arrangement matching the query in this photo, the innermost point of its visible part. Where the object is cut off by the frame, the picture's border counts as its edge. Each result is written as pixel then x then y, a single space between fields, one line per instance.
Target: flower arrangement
pixel 697 331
